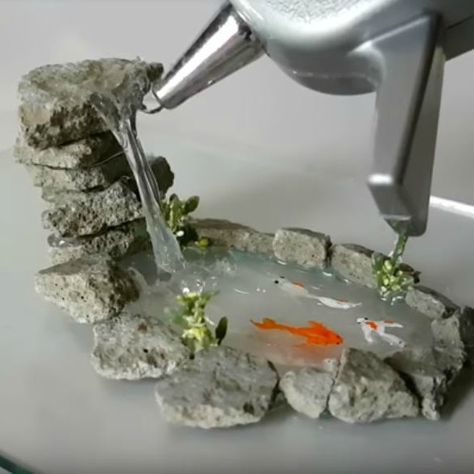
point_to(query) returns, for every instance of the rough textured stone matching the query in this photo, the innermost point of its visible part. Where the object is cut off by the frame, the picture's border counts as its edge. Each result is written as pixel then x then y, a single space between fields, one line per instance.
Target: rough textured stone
pixel 301 246
pixel 56 196
pixel 60 196
pixel 456 334
pixel 92 213
pixel 428 374
pixel 367 389
pixel 116 242
pixel 449 361
pixel 159 165
pixel 55 100
pixel 96 177
pixel 430 302
pixel 134 346
pixel 221 387
pixel 231 235
pixel 354 263
pixel 80 154
pixel 91 289
pixel 307 390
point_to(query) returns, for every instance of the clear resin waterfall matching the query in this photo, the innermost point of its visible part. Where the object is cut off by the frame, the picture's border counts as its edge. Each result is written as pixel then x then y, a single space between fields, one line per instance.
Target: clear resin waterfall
pixel 119 110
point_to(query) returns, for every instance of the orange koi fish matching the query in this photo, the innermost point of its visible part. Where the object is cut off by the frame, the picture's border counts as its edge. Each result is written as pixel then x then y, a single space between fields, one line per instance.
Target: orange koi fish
pixel 315 333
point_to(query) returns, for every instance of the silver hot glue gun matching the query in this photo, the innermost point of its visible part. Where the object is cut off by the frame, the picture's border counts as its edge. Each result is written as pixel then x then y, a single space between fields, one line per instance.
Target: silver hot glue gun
pixel 394 47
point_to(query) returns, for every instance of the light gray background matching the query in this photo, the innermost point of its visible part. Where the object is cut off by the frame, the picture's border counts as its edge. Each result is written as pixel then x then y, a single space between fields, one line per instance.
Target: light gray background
pixel 259 149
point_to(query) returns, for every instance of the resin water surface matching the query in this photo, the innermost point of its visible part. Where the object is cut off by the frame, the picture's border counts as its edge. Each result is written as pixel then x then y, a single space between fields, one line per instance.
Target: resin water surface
pixel 247 290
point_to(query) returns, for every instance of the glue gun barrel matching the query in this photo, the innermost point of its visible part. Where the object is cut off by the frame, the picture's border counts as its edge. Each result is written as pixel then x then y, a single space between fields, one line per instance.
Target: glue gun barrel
pixel 226 45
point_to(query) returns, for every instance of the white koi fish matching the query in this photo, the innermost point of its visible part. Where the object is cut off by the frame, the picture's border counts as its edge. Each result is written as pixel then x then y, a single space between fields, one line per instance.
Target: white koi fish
pixel 369 328
pixel 336 303
pixel 297 288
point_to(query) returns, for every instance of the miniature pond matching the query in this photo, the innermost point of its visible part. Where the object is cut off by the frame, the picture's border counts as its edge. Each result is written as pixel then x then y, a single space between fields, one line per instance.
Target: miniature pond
pixel 265 306
pixel 250 287
pixel 250 290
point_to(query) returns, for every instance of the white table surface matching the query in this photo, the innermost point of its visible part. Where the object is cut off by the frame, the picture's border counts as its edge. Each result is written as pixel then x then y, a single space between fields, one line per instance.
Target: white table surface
pixel 260 150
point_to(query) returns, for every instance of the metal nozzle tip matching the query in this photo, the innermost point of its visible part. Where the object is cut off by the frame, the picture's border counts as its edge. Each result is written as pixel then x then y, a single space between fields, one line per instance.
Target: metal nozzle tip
pixel 154 110
pixel 149 105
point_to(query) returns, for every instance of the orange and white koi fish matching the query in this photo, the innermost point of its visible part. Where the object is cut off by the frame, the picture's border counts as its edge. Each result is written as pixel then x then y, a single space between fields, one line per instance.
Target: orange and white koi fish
pixel 297 288
pixel 369 328
pixel 315 333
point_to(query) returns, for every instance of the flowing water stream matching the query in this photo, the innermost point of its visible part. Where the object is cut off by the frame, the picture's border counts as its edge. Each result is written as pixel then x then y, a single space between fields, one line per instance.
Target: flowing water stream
pixel 119 110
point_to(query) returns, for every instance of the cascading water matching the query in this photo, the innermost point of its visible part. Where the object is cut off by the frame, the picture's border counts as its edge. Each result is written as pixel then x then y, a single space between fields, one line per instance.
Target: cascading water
pixel 119 110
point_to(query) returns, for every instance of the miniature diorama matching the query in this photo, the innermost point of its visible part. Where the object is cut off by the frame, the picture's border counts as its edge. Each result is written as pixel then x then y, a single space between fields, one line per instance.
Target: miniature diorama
pixel 231 322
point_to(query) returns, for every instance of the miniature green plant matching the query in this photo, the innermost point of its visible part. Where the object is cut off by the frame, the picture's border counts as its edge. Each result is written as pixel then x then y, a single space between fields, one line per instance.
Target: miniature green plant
pixel 176 213
pixel 393 277
pixel 197 333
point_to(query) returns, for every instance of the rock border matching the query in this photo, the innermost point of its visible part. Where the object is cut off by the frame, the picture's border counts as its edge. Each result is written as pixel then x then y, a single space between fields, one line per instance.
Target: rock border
pixel 422 378
pixel 428 376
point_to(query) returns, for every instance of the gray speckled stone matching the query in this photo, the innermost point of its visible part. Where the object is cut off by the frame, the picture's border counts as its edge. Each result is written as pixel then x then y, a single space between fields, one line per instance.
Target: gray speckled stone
pixel 80 154
pixel 231 235
pixel 134 346
pixel 92 213
pixel 301 246
pixel 456 334
pixel 55 100
pixel 354 263
pixel 96 177
pixel 426 372
pixel 60 196
pixel 367 389
pixel 159 166
pixel 221 387
pixel 430 302
pixel 450 362
pixel 91 289
pixel 116 242
pixel 307 390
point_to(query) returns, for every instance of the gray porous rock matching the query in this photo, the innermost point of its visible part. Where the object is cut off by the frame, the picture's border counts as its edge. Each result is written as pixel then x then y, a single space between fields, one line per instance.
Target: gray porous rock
pixel 83 153
pixel 429 302
pixel 429 373
pixel 367 389
pixel 56 196
pixel 220 387
pixel 117 242
pixel 91 213
pixel 455 334
pixel 136 346
pixel 231 235
pixel 354 263
pixel 159 166
pixel 303 247
pixel 55 100
pixel 82 179
pixel 90 289
pixel 307 390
